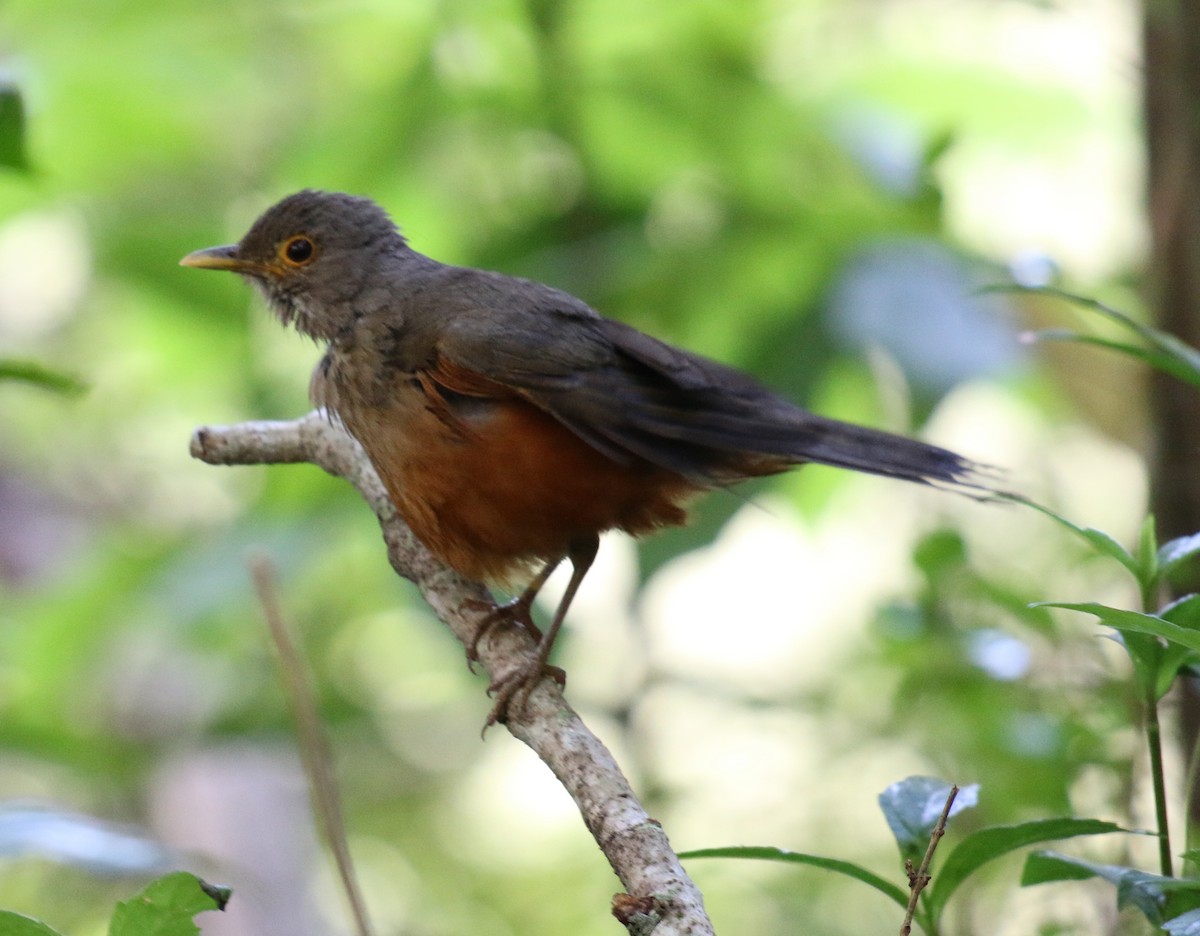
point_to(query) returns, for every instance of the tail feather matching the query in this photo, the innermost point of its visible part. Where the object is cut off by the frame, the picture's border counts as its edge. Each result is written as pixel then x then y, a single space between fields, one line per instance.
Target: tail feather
pixel 843 445
pixel 708 422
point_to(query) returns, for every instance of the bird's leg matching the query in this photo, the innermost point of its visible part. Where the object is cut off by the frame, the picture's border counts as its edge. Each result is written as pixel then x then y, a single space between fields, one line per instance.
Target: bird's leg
pixel 520 681
pixel 519 610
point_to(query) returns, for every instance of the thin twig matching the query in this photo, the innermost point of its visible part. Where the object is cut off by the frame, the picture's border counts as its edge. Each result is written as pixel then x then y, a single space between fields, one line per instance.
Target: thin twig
pixel 634 844
pixel 314 745
pixel 918 879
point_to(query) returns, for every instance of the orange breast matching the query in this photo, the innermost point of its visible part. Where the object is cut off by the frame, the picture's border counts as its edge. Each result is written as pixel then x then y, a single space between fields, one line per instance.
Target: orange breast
pixel 516 487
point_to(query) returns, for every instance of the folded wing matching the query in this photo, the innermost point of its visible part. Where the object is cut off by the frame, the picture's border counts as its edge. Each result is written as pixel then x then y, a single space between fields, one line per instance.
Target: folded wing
pixel 633 397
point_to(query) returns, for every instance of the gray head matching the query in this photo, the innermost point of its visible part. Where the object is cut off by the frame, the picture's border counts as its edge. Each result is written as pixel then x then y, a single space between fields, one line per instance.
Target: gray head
pixel 311 255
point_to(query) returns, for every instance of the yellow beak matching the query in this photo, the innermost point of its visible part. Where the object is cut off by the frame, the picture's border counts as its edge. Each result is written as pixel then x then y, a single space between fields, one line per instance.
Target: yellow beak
pixel 218 258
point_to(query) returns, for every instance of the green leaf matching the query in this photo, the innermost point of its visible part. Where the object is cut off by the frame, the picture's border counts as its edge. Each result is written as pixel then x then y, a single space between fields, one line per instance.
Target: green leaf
pixel 1146 653
pixel 1174 658
pixel 1186 925
pixel 1047 867
pixel 1171 355
pixel 33 373
pixel 1176 551
pixel 1148 892
pixel 1147 552
pixel 1186 357
pixel 1155 666
pixel 980 847
pixel 1100 541
pixel 847 868
pixel 12 130
pixel 1160 360
pixel 1133 621
pixel 912 808
pixel 166 907
pixel 1186 613
pixel 14 924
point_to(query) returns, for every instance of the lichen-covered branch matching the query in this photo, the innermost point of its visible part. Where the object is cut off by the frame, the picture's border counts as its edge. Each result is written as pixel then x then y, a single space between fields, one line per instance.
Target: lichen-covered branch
pixel 660 896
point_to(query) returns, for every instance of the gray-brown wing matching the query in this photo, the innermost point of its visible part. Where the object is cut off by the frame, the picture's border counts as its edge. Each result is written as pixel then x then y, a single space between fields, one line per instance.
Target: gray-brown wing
pixel 632 396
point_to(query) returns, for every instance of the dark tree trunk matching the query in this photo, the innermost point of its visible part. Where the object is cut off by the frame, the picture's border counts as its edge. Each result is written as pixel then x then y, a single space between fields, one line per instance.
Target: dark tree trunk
pixel 1172 124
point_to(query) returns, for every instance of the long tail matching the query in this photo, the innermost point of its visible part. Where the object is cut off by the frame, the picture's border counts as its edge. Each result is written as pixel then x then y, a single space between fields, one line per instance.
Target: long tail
pixel 844 445
pixel 706 421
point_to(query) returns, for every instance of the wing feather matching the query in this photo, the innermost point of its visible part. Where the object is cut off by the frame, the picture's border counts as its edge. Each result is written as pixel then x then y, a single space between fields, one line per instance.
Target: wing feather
pixel 633 397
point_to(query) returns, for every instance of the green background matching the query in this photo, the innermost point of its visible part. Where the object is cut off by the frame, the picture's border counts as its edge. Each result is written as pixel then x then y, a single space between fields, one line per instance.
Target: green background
pixel 811 190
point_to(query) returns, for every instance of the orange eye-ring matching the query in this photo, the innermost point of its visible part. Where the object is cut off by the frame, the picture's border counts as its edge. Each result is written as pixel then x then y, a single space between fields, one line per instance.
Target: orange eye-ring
pixel 298 251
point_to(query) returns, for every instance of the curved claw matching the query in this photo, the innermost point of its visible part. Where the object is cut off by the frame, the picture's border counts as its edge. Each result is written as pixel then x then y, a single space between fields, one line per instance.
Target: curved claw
pixel 519 682
pixel 516 685
pixel 514 613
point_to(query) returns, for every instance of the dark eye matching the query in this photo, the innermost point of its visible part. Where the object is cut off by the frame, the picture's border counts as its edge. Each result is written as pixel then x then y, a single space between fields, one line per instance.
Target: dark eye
pixel 299 250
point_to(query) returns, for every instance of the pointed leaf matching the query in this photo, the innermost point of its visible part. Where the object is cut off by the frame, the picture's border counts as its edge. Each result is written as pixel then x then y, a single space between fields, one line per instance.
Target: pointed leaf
pixel 1146 652
pixel 1183 611
pixel 1186 925
pixel 1160 360
pixel 764 853
pixel 1100 541
pixel 980 847
pixel 1049 867
pixel 1133 621
pixel 1185 360
pixel 1148 892
pixel 14 924
pixel 912 808
pixel 166 907
pixel 1176 657
pixel 1133 886
pixel 1183 353
pixel 1157 665
pixel 1176 551
pixel 1186 613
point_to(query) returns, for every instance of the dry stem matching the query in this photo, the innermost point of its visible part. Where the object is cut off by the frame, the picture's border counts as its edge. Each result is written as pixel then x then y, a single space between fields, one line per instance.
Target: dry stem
pixel 314 745
pixel 919 878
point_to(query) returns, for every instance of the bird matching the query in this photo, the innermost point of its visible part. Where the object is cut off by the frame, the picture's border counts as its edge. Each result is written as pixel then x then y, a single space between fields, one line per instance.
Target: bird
pixel 510 423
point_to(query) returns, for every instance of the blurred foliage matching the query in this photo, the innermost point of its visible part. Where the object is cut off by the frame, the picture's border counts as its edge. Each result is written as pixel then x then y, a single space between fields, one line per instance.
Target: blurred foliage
pixel 33 373
pixel 766 183
pixel 12 130
pixel 164 908
pixel 917 810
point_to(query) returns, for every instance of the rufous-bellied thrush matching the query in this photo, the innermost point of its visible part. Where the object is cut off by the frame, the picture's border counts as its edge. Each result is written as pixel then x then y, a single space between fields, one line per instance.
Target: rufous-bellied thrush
pixel 511 423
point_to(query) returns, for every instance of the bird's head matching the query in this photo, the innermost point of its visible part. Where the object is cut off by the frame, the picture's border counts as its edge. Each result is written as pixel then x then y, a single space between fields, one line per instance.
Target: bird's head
pixel 313 255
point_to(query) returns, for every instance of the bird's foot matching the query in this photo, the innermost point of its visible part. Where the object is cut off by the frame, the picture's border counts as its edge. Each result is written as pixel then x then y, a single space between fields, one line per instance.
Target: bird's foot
pixel 514 613
pixel 517 684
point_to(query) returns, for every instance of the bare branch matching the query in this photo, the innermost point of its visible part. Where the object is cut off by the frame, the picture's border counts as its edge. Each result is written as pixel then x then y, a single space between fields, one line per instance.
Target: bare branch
pixel 637 848
pixel 919 878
